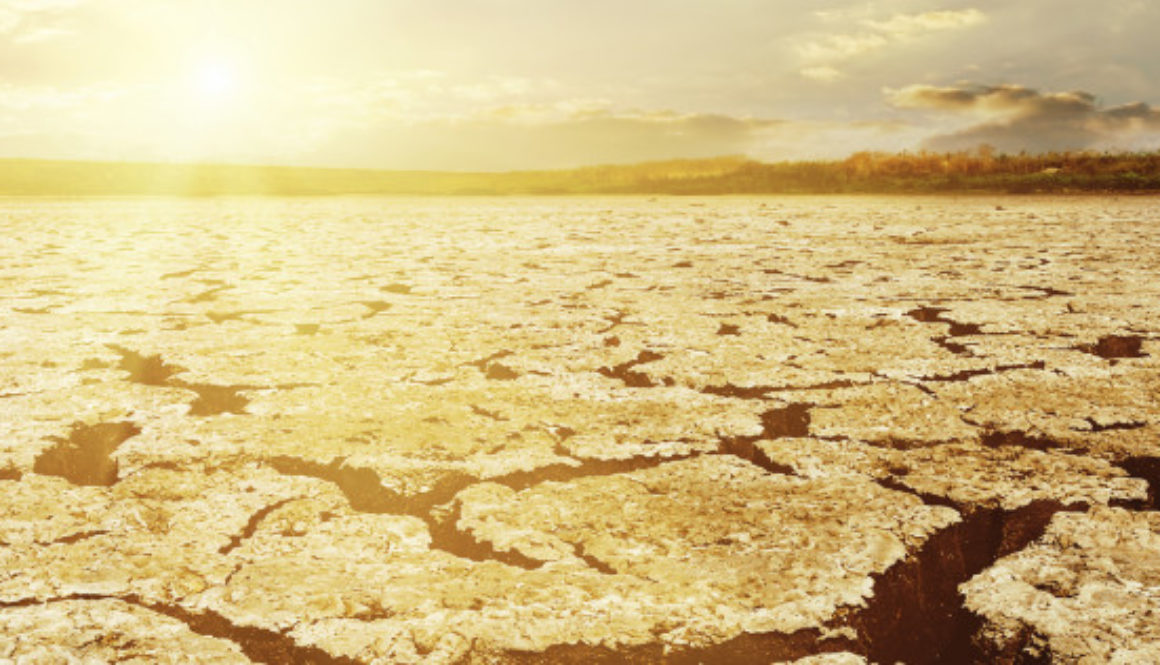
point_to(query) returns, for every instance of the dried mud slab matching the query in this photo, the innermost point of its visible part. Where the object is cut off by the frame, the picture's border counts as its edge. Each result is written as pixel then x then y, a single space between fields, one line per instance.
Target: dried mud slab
pixel 966 475
pixel 787 551
pixel 1087 591
pixel 105 631
pixel 585 430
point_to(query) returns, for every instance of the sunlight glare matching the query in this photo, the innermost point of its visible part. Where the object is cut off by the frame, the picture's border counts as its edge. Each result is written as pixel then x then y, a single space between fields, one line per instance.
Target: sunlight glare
pixel 216 79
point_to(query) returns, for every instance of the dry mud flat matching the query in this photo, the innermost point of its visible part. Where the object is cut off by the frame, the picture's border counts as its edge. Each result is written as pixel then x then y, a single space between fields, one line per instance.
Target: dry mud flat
pixel 835 430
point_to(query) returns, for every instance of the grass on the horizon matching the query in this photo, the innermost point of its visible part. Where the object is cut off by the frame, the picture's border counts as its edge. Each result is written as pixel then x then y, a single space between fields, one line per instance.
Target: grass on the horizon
pixel 923 172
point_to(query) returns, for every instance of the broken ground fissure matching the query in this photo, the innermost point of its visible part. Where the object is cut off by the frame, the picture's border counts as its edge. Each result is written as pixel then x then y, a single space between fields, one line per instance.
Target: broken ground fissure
pixel 211 399
pixel 252 525
pixel 625 373
pixel 365 492
pixel 915 615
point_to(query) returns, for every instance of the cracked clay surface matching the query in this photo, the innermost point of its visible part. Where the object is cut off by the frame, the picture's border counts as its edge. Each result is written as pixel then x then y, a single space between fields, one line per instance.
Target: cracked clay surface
pixel 745 430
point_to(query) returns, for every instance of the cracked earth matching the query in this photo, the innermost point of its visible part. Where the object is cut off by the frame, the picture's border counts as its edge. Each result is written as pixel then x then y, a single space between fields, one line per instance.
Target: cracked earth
pixel 828 431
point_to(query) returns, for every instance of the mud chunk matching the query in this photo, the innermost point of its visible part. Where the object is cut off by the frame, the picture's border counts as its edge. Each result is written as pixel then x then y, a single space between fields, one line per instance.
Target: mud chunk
pixel 1089 589
pixel 721 524
pixel 105 631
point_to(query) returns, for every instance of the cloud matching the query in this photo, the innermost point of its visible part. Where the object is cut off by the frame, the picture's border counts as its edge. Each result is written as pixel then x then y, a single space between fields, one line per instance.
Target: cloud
pixel 30 21
pixel 43 99
pixel 842 46
pixel 879 34
pixel 905 25
pixel 823 73
pixel 1015 117
pixel 41 35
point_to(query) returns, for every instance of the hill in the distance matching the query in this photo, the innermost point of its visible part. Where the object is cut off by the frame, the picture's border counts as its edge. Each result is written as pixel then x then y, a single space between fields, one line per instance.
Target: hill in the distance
pixel 924 172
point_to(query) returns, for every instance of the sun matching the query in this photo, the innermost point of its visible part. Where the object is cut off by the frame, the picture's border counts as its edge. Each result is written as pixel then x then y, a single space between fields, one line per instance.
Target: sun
pixel 215 79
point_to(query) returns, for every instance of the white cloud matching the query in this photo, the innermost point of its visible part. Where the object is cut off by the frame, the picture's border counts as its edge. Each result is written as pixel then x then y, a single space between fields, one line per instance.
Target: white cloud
pixel 842 46
pixel 46 98
pixel 906 25
pixel 822 73
pixel 879 34
pixel 31 21
pixel 36 35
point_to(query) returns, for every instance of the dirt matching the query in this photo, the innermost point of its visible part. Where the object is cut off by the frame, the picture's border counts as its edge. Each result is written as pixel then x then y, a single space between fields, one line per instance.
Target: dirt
pixel 580 430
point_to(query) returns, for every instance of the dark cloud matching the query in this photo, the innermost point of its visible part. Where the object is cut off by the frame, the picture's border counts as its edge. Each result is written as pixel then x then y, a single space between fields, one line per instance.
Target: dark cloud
pixel 1014 118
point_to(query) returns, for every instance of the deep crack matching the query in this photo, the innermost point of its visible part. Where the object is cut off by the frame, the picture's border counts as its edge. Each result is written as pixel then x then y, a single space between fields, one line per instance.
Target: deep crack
pixel 790 421
pixel 1147 469
pixel 365 492
pixel 252 525
pixel 624 371
pixel 997 439
pixel 1112 347
pixel 917 614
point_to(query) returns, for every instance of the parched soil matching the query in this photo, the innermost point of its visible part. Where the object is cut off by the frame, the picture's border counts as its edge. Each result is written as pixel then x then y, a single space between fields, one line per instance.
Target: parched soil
pixel 580 430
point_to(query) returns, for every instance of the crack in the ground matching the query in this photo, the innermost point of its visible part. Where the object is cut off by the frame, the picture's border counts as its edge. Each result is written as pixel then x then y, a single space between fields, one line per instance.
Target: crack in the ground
pixel 1096 427
pixel 893 483
pixel 779 319
pixel 1148 470
pixel 252 525
pixel 917 614
pixel 214 400
pixel 1045 292
pixel 494 370
pixel 183 273
pixel 365 492
pixel 84 458
pixel 208 295
pixel 764 392
pixel 624 371
pixel 616 320
pixel 968 374
pixel 258 644
pixel 146 370
pixel 807 278
pixel 375 306
pixel 593 562
pixel 211 399
pixel 447 536
pixel 791 421
pixel 1000 439
pixel 490 415
pixel 927 314
pixel 953 347
pixel 1113 347
pixel 76 537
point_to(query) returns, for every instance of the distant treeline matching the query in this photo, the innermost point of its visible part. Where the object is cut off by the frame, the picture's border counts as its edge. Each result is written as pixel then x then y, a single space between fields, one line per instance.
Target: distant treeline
pixel 926 172
pixel 865 172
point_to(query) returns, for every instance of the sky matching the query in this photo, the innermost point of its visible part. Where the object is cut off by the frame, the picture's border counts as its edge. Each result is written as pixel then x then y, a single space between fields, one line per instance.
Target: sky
pixel 535 84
